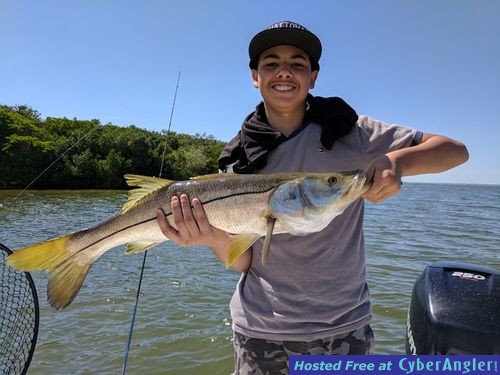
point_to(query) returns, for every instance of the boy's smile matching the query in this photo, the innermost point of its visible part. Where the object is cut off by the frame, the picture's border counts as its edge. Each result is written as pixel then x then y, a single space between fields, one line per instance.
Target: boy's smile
pixel 284 77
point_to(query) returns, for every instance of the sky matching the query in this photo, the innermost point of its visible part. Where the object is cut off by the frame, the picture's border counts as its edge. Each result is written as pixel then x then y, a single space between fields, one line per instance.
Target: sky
pixel 433 65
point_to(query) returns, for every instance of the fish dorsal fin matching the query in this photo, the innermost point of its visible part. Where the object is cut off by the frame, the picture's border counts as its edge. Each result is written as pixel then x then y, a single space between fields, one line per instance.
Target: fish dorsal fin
pixel 147 185
pixel 146 181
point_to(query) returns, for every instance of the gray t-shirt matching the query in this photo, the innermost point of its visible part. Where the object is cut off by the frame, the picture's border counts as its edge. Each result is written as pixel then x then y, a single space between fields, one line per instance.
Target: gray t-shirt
pixel 315 286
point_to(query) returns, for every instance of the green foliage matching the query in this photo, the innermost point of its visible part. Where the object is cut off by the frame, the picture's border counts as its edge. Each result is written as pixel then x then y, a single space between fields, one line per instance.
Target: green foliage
pixel 87 154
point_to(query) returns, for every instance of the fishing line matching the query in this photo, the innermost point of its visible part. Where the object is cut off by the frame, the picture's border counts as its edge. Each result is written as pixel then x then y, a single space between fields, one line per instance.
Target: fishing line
pixel 134 312
pixel 55 161
pixel 19 286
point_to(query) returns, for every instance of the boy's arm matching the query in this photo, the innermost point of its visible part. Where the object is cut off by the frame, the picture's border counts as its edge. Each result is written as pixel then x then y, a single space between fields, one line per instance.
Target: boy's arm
pixel 434 154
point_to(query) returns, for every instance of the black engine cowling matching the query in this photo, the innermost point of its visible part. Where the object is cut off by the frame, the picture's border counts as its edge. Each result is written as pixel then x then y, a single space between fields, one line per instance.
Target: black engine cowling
pixel 455 309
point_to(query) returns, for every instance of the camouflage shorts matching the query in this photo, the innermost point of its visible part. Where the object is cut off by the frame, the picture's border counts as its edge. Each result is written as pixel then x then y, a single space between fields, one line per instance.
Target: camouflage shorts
pixel 267 357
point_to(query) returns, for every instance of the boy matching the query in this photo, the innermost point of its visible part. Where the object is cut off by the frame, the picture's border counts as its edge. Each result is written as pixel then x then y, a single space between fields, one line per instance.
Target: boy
pixel 311 297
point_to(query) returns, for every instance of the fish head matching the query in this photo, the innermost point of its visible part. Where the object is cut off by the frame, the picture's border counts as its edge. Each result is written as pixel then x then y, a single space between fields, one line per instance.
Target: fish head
pixel 308 203
pixel 324 190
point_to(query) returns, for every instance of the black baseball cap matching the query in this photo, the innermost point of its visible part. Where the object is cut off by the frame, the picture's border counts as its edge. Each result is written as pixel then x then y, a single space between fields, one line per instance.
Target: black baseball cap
pixel 285 32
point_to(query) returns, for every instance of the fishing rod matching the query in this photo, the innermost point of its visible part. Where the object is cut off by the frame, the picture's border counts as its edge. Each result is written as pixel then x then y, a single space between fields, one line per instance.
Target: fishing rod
pixel 134 312
pixel 169 125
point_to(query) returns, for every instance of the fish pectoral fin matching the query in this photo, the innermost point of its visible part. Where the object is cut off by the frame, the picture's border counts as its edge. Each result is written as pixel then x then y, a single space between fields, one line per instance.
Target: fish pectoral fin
pixel 238 244
pixel 267 241
pixel 65 274
pixel 138 246
pixel 147 185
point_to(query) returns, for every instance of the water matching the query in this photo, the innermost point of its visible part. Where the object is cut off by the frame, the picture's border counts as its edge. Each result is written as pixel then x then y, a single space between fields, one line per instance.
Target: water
pixel 183 323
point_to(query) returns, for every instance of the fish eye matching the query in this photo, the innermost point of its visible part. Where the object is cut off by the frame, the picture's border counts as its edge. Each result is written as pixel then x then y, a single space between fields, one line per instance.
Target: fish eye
pixel 332 180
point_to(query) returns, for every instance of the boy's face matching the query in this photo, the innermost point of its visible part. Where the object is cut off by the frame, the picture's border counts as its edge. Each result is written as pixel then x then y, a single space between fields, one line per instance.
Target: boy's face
pixel 284 77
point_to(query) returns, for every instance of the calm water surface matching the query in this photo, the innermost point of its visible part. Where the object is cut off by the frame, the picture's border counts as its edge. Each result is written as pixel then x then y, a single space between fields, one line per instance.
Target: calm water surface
pixel 183 322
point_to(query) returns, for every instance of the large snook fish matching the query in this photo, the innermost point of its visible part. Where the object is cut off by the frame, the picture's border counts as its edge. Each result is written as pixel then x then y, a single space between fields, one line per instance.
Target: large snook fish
pixel 246 206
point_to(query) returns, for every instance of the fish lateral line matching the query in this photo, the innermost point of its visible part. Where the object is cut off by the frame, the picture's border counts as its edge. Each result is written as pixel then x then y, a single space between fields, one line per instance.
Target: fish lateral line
pixel 167 214
pixel 232 195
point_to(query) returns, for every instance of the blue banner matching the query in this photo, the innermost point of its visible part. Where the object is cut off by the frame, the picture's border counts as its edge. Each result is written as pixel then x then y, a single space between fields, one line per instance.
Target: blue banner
pixel 394 364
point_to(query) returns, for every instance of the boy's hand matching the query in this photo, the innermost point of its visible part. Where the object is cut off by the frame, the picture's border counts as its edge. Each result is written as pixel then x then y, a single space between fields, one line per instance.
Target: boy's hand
pixel 386 180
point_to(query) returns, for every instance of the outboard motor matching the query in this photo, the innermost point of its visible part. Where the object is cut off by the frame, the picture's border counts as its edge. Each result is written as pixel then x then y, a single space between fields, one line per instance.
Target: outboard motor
pixel 455 309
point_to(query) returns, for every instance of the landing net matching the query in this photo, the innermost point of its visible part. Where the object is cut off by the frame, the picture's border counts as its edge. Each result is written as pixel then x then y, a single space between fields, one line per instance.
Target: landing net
pixel 19 317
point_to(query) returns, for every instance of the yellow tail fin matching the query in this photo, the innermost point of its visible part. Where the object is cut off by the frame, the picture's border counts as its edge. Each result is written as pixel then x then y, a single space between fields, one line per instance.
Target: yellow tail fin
pixel 65 275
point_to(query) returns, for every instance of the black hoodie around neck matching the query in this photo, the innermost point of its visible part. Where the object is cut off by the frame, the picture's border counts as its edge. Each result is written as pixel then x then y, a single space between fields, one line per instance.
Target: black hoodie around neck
pixel 247 151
